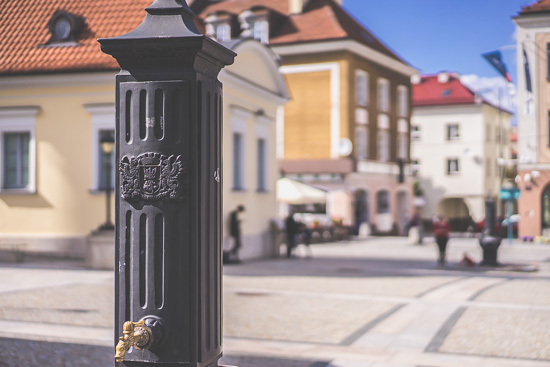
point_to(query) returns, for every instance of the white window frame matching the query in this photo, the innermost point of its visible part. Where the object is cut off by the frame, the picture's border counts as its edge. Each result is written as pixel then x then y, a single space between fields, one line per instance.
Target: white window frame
pixel 19 120
pixel 262 132
pixel 361 142
pixel 450 127
pixel 239 119
pixel 403 146
pixel 260 30
pixel 384 143
pixel 383 95
pixel 415 133
pixel 452 172
pixel 103 118
pixel 223 31
pixel 361 88
pixel 415 167
pixel 403 100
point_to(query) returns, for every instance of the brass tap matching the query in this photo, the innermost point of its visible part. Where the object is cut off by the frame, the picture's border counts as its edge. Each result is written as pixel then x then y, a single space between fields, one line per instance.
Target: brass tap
pixel 136 334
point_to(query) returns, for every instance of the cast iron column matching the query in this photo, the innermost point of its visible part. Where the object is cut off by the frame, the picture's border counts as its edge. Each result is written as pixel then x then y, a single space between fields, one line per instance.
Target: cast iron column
pixel 168 191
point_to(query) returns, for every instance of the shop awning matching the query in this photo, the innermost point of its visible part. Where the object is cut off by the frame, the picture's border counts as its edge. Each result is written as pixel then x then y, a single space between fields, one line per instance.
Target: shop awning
pixel 294 192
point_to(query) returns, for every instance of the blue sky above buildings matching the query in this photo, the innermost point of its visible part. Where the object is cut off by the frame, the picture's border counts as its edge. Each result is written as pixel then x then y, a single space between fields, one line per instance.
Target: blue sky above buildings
pixel 447 35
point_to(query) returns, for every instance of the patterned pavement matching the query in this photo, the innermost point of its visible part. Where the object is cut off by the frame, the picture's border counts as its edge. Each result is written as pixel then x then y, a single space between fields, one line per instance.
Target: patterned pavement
pixel 381 302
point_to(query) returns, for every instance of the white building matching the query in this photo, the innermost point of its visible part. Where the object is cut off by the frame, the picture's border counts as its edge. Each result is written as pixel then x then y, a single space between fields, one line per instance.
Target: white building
pixel 456 138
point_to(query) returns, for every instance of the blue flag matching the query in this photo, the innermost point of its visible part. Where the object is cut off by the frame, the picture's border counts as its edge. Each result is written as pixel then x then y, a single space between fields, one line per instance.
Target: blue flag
pixel 495 59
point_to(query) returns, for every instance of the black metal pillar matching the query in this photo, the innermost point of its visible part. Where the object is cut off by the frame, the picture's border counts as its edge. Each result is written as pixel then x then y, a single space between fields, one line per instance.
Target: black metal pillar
pixel 168 191
pixel 490 216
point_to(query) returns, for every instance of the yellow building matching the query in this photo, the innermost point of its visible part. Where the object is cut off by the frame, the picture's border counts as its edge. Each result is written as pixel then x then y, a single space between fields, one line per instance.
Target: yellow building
pixel 347 126
pixel 57 102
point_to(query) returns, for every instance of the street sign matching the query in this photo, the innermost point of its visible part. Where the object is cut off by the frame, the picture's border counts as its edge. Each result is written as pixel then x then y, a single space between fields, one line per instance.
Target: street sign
pixel 509 193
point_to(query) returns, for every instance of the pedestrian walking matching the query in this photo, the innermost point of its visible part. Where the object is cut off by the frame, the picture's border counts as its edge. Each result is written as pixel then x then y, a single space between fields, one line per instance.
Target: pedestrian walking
pixel 291 228
pixel 440 229
pixel 235 219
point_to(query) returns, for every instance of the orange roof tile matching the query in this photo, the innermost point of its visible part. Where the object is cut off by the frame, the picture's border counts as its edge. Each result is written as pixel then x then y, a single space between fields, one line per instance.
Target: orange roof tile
pixel 24 30
pixel 540 6
pixel 321 20
pixel 24 33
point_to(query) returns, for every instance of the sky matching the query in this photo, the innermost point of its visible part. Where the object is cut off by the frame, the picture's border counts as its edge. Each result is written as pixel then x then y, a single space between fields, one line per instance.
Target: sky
pixel 447 35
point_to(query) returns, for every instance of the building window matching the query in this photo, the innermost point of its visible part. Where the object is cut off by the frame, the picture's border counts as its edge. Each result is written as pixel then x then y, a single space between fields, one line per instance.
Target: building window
pixel 361 88
pixel 415 132
pixel 415 167
pixel 106 161
pixel 18 146
pixel 223 32
pixel 384 145
pixel 453 166
pixel 547 61
pixel 260 31
pixel 103 125
pixel 453 132
pixel 403 146
pixel 382 202
pixel 238 171
pixel 383 95
pixel 403 101
pixel 262 163
pixel 16 160
pixel 361 142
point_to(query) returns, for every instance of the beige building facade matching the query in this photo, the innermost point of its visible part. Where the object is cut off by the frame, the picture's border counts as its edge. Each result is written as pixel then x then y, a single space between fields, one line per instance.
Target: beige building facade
pixel 346 127
pixel 52 175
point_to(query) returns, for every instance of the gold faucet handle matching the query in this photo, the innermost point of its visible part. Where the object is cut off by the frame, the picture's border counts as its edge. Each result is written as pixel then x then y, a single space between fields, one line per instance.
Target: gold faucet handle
pixel 142 333
pixel 136 334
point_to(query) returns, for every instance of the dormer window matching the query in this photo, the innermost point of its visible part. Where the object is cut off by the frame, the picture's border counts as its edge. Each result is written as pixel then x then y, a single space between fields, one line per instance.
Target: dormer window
pixel 218 26
pixel 65 27
pixel 260 30
pixel 254 24
pixel 223 32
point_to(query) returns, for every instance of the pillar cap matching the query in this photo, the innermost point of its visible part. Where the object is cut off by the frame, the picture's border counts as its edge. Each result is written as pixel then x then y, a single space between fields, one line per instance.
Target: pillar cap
pixel 167 39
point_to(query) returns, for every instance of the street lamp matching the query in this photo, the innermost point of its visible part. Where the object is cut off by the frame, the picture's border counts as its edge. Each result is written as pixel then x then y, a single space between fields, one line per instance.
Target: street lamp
pixel 107 145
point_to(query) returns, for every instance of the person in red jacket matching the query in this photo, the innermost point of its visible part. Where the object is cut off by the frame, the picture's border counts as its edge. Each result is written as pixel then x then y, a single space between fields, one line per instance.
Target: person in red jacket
pixel 440 229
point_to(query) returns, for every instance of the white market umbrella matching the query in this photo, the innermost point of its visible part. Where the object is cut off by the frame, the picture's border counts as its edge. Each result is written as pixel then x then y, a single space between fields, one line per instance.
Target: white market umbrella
pixel 294 192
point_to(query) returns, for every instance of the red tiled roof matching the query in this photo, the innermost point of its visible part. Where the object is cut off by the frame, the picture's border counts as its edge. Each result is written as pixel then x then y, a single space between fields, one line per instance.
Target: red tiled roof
pixel 540 6
pixel 321 20
pixel 238 6
pixel 24 32
pixel 430 92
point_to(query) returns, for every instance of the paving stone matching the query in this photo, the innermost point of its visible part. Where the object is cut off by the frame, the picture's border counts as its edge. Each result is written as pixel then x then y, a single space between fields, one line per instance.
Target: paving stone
pixel 522 291
pixel 78 304
pixel 504 333
pixel 396 286
pixel 313 319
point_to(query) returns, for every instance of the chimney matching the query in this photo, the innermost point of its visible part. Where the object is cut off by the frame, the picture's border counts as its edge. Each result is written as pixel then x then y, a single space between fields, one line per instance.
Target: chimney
pixel 296 6
pixel 443 77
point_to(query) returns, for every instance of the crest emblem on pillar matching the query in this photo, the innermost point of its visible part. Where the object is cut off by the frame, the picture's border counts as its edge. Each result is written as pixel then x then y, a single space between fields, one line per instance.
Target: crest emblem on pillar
pixel 151 176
